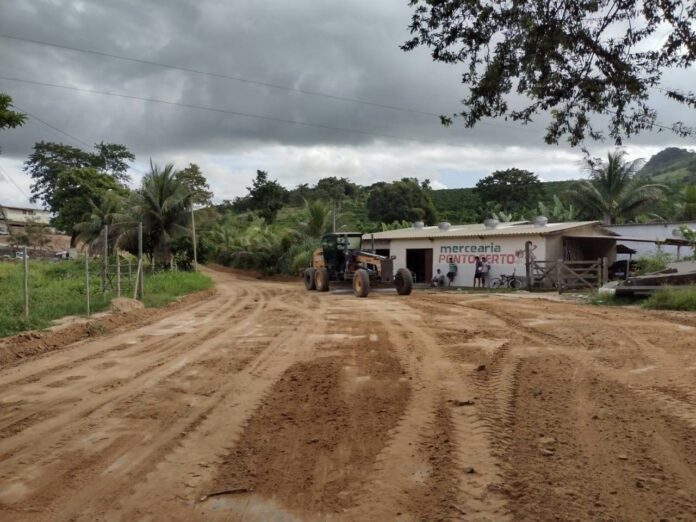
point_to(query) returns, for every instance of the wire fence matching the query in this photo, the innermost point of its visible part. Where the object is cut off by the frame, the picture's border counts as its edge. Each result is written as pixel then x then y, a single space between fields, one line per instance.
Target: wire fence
pixel 34 292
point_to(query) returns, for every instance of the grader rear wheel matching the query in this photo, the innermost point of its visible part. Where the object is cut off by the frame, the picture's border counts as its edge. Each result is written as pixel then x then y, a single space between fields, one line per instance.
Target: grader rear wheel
pixel 403 281
pixel 309 282
pixel 361 283
pixel 321 280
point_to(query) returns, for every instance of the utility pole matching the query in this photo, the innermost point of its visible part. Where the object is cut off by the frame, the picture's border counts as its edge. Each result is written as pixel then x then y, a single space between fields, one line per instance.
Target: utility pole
pixel 334 216
pixel 193 239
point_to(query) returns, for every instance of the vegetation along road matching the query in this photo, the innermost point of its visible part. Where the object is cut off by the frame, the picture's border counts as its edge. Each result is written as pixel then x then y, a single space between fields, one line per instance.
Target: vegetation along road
pixel 268 402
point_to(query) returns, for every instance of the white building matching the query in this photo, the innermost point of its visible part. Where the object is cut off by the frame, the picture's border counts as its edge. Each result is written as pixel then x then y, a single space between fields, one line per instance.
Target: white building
pixel 15 219
pixel 652 233
pixel 423 250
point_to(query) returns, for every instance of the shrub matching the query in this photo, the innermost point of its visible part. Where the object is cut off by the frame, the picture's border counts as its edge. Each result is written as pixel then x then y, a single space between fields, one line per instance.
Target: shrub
pixel 673 299
pixel 653 263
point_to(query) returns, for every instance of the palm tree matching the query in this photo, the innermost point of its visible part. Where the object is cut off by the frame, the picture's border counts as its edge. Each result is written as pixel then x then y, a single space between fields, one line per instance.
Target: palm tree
pixel 163 203
pixel 109 212
pixel 614 191
pixel 316 213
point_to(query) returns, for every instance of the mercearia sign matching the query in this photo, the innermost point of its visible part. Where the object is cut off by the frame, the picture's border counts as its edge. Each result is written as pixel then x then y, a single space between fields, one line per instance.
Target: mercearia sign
pixel 466 254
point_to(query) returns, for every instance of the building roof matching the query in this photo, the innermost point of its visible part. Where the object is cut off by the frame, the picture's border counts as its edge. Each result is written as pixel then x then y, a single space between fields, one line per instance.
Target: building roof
pixel 9 207
pixel 517 228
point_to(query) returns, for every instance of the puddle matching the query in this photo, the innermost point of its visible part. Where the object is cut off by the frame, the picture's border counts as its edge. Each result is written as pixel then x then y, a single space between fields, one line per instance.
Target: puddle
pixel 249 507
pixel 643 370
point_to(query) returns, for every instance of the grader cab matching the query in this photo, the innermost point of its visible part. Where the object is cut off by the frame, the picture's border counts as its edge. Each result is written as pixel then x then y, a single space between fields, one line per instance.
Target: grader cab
pixel 341 258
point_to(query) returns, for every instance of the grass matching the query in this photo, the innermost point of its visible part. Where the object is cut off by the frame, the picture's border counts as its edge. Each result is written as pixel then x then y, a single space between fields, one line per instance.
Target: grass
pixel 680 299
pixel 57 289
pixel 683 299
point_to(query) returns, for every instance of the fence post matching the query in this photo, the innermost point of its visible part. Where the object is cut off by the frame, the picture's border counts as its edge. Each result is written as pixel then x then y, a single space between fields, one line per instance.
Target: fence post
pixel 118 275
pixel 559 275
pixel 26 285
pixel 130 275
pixel 605 271
pixel 140 275
pixel 528 264
pixel 105 260
pixel 193 239
pixel 87 281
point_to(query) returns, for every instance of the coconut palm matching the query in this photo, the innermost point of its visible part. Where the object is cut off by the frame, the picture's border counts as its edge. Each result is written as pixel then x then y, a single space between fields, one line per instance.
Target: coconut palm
pixel 108 211
pixel 316 215
pixel 162 204
pixel 614 192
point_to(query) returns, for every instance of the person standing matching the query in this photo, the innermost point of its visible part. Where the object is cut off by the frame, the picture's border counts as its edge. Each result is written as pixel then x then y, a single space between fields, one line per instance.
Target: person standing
pixel 485 272
pixel 451 272
pixel 477 271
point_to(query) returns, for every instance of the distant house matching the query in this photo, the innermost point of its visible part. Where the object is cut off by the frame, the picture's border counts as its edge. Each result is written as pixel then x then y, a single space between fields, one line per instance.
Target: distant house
pixel 652 232
pixel 13 220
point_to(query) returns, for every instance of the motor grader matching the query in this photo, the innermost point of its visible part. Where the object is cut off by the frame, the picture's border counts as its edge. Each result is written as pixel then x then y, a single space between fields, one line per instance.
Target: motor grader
pixel 342 259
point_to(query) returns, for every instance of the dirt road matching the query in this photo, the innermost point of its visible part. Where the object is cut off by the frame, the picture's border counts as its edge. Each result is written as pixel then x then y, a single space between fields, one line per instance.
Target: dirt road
pixel 297 405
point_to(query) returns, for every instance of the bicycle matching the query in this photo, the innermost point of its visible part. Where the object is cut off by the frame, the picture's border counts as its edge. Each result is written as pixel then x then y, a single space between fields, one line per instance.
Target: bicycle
pixel 507 281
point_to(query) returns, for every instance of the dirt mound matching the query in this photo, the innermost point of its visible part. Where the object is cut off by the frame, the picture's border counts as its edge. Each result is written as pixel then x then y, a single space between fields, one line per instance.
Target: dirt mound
pixel 28 344
pixel 315 439
pixel 125 304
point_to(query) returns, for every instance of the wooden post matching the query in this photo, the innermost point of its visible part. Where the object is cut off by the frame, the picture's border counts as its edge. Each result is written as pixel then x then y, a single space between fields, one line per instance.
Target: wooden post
pixel 605 271
pixel 118 275
pixel 139 276
pixel 193 239
pixel 105 260
pixel 130 275
pixel 26 285
pixel 528 264
pixel 87 280
pixel 559 275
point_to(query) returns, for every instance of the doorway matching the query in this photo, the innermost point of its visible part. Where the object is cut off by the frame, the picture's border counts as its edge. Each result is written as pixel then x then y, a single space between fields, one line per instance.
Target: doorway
pixel 420 262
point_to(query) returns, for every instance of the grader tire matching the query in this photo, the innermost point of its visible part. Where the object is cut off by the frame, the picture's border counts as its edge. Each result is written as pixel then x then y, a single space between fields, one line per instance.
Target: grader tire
pixel 361 283
pixel 309 282
pixel 321 280
pixel 403 281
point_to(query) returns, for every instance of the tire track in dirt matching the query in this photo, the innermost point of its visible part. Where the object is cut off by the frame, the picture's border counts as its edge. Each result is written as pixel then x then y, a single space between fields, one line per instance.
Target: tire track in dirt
pixel 404 466
pixel 153 354
pixel 75 431
pixel 203 449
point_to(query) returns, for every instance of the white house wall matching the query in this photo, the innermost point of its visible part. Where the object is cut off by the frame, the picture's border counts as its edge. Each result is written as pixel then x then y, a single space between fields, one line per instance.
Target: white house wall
pixel 505 254
pixel 651 232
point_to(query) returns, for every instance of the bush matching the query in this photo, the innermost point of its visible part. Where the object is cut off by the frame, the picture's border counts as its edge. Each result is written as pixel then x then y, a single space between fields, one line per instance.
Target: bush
pixel 673 299
pixel 653 263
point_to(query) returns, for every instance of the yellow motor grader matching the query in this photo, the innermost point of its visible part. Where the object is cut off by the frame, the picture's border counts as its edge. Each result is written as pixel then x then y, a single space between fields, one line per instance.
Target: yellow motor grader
pixel 341 258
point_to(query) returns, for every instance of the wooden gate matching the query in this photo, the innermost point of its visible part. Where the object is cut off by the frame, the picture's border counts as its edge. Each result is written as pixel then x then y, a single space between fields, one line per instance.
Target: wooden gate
pixel 567 275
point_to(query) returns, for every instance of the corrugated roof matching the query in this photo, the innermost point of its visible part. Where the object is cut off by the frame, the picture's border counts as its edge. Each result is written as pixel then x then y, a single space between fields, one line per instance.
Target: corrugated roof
pixel 519 228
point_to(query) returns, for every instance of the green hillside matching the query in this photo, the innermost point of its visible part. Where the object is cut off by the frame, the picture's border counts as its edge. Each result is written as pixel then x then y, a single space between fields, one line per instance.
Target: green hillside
pixel 671 165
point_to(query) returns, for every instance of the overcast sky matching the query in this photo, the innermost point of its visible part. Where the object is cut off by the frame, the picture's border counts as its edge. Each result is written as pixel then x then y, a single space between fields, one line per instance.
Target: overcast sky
pixel 345 49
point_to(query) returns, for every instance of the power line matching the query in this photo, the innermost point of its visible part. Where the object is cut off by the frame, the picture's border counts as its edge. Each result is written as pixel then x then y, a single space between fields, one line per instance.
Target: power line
pixel 222 111
pixel 71 136
pixel 7 175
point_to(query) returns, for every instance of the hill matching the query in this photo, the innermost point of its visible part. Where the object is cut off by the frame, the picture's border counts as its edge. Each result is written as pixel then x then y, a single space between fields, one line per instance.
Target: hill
pixel 671 165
